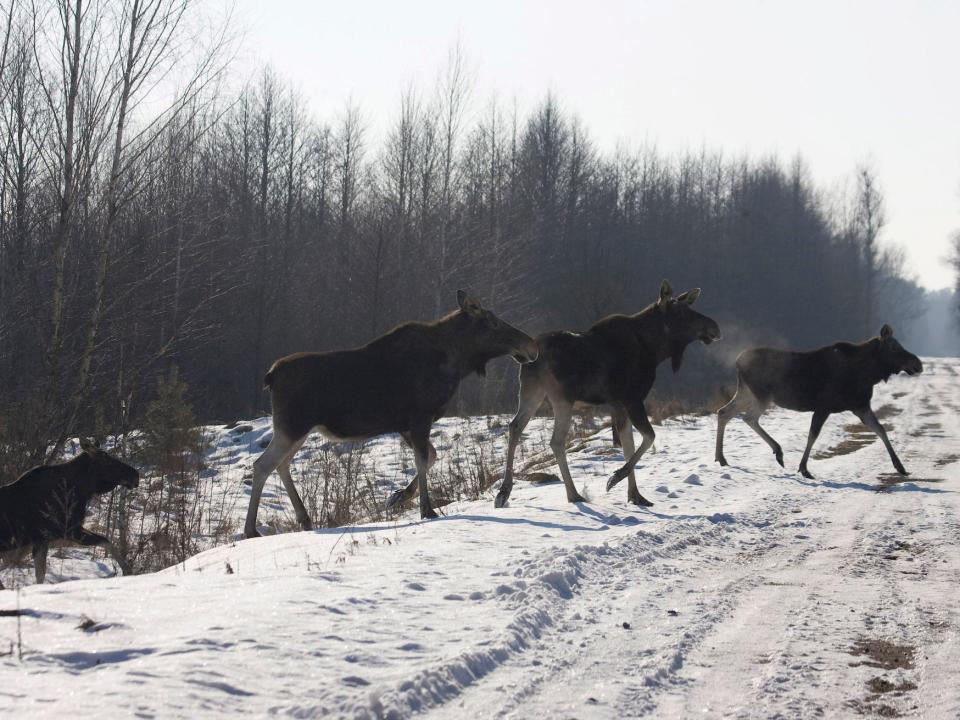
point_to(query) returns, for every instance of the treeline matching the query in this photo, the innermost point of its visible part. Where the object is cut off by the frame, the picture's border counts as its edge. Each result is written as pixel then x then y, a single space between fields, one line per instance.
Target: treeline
pixel 954 259
pixel 216 231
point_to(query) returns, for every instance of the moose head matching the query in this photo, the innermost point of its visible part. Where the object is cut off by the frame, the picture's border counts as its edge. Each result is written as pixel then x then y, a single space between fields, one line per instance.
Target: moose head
pixel 893 357
pixel 491 337
pixel 682 323
pixel 106 471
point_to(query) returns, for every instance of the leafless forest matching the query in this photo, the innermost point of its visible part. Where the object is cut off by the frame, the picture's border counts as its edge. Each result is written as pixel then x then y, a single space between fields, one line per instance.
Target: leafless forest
pixel 157 212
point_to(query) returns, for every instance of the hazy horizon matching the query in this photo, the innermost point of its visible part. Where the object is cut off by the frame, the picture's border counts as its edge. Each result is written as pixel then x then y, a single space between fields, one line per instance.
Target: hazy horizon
pixel 837 85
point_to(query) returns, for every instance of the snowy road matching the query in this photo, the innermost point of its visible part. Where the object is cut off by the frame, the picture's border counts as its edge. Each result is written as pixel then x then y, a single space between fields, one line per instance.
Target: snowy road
pixel 745 591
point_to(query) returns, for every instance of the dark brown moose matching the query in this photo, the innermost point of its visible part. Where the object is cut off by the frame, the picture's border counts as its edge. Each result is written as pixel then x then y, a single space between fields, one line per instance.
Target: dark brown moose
pixel 613 363
pixel 832 379
pixel 400 382
pixel 47 504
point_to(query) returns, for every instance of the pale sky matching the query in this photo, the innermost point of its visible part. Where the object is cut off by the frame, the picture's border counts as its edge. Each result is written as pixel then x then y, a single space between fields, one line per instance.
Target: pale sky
pixel 838 82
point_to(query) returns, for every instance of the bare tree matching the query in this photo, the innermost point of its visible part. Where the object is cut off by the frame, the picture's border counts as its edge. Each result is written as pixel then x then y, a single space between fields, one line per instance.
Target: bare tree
pixel 870 219
pixel 453 90
pixel 149 41
pixel 72 40
pixel 350 150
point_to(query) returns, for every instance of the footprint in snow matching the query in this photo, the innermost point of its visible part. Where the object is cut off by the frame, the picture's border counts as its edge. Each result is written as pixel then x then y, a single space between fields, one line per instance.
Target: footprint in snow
pixel 354 681
pixel 416 586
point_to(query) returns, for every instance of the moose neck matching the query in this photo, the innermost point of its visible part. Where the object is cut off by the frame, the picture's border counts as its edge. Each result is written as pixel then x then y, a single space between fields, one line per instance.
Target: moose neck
pixel 870 359
pixel 651 332
pixel 462 344
pixel 80 473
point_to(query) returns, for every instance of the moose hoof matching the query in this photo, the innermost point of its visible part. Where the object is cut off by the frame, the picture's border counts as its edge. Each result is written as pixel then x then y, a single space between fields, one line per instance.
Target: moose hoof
pixel 902 470
pixel 807 474
pixel 723 461
pixel 576 498
pixel 779 457
pixel 639 500
pixel 614 479
pixel 501 500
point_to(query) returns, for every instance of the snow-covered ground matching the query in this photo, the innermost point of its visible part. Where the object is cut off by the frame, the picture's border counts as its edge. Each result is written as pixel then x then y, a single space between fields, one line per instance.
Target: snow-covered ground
pixel 745 591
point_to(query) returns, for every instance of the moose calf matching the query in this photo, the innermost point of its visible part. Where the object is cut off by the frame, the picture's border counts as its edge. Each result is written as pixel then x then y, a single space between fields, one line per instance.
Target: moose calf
pixel 48 504
pixel 832 379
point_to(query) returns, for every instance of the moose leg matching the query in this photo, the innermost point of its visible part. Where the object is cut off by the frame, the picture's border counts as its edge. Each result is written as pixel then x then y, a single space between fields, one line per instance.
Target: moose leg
pixel 89 539
pixel 9 558
pixel 420 441
pixel 562 414
pixel 40 560
pixel 638 416
pixel 623 431
pixel 868 418
pixel 283 470
pixel 742 400
pixel 401 496
pixel 751 417
pixel 754 422
pixel 276 451
pixel 531 397
pixel 92 539
pixel 816 424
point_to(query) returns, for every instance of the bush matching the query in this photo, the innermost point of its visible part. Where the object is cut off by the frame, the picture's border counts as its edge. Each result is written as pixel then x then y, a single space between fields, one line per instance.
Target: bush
pixel 170 442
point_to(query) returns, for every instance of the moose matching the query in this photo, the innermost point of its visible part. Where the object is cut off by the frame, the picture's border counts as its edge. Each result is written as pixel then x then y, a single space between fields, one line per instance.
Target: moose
pixel 832 379
pixel 612 363
pixel 47 504
pixel 400 382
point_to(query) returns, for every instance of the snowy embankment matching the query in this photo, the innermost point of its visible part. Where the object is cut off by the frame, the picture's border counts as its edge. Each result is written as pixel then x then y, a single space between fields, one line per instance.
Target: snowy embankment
pixel 745 591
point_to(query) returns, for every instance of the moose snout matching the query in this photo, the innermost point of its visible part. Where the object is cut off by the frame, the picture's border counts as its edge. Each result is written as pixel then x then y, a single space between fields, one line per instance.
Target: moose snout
pixel 132 480
pixel 914 366
pixel 711 334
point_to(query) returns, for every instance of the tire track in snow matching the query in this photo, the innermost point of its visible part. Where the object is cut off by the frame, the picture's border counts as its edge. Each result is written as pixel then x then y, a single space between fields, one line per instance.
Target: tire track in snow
pixel 545 596
pixel 593 617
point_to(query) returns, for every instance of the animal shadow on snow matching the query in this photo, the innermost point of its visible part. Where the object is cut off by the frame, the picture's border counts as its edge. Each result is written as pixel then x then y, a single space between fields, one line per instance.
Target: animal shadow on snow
pixel 222 687
pixel 80 661
pixel 902 485
pixel 346 529
pixel 527 521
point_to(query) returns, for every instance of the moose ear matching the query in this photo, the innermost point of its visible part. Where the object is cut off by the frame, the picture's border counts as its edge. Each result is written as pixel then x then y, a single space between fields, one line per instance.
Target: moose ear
pixel 886 332
pixel 666 292
pixel 689 297
pixel 468 304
